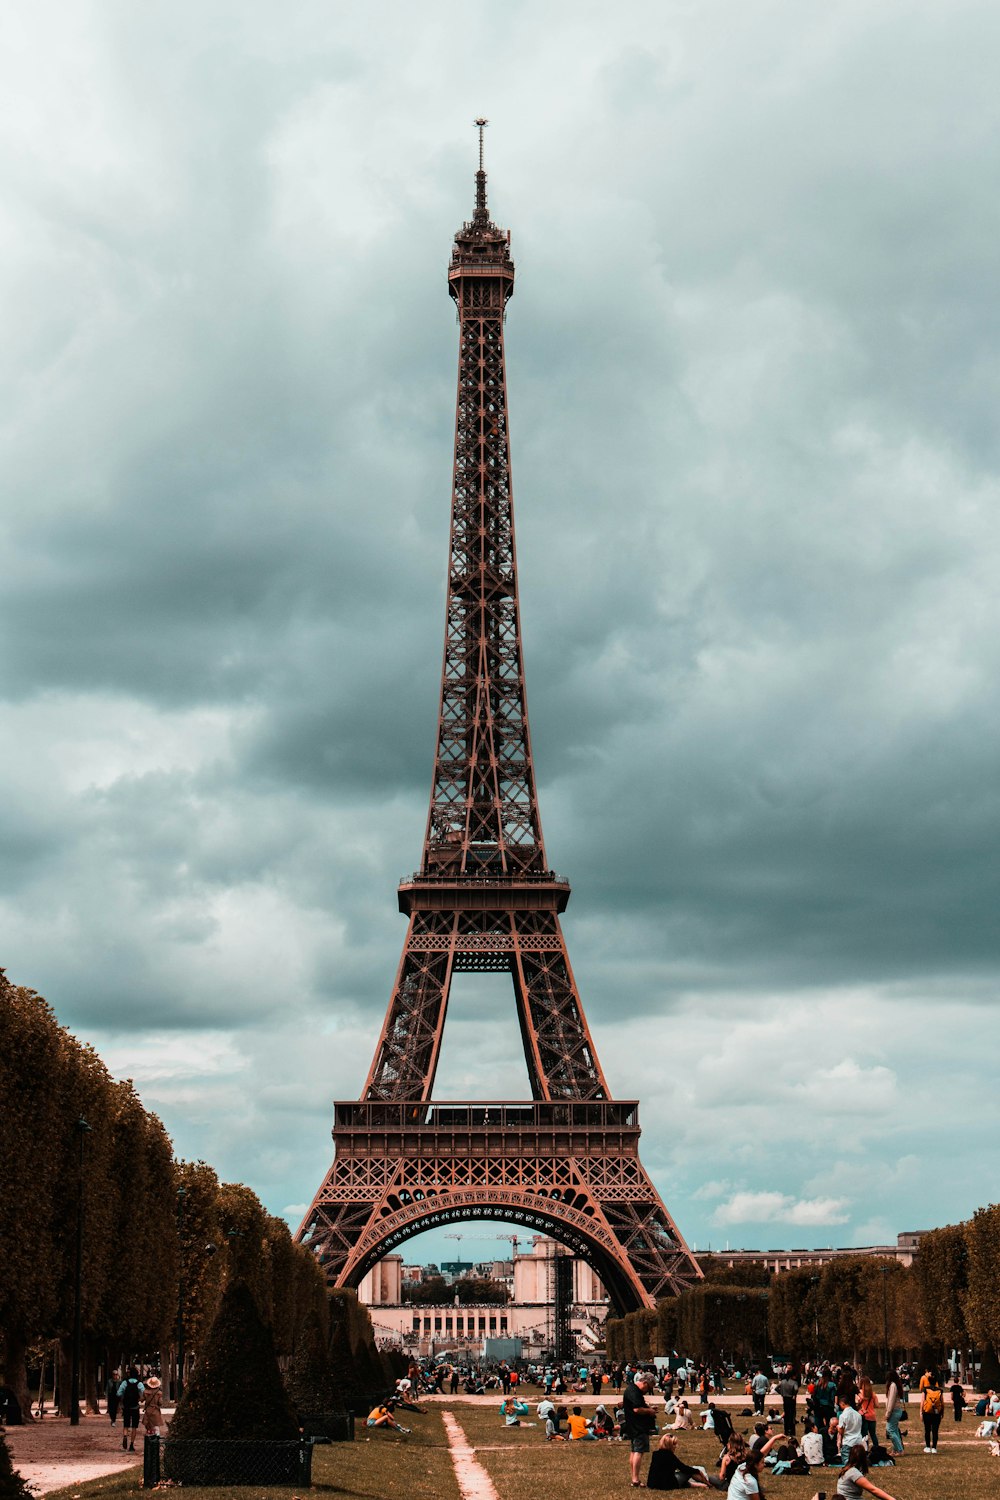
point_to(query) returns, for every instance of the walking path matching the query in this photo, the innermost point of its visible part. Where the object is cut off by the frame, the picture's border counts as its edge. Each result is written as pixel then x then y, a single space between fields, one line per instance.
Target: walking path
pixel 473 1480
pixel 50 1453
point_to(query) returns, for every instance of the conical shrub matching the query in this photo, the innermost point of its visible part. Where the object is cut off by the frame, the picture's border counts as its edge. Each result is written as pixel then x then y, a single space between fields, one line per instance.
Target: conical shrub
pixel 309 1381
pixel 236 1389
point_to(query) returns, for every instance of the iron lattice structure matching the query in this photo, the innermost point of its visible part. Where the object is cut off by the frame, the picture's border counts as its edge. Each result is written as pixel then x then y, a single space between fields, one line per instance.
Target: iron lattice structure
pixel 485 900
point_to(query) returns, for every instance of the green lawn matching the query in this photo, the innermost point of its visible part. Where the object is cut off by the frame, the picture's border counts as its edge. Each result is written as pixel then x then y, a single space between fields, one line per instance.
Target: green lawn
pixel 522 1465
pixel 377 1466
pixel 381 1466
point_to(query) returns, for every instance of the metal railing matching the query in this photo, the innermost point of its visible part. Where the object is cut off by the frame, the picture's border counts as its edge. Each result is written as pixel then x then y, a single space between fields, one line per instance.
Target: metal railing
pixel 536 1115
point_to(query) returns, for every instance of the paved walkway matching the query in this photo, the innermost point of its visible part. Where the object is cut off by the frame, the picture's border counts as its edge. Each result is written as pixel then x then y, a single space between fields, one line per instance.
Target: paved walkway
pixel 51 1453
pixel 473 1480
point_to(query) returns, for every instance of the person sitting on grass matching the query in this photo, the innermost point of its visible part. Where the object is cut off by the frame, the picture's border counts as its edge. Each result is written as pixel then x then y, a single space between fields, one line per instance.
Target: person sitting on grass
pixel 603 1425
pixel 812 1445
pixel 853 1482
pixel 683 1421
pixel 381 1416
pixel 764 1439
pixel 733 1455
pixel 553 1428
pixel 745 1483
pixel 667 1472
pixel 579 1427
pixel 512 1411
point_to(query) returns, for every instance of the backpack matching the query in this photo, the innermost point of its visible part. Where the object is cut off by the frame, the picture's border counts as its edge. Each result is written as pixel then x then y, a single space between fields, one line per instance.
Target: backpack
pixel 933 1400
pixel 130 1395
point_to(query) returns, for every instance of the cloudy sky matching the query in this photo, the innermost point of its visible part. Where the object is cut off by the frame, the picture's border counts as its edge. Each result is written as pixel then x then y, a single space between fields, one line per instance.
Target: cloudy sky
pixel 754 378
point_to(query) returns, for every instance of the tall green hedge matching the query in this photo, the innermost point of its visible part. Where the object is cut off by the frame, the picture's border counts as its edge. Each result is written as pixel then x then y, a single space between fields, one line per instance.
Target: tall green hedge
pixel 236 1390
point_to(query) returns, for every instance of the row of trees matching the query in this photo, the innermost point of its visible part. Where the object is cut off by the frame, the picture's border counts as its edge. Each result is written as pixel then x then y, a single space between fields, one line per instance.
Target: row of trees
pixel 470 1291
pixel 859 1307
pixel 153 1227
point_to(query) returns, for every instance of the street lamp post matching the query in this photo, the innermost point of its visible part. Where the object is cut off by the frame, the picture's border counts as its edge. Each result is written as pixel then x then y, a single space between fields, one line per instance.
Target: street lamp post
pixel 814 1283
pixel 179 1386
pixel 82 1129
pixel 885 1270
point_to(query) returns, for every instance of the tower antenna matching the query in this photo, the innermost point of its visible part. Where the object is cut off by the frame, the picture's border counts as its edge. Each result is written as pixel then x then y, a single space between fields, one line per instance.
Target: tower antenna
pixel 481 125
pixel 481 213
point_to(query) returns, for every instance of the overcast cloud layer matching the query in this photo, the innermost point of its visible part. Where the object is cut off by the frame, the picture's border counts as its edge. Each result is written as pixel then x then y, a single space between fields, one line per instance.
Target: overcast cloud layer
pixel 754 379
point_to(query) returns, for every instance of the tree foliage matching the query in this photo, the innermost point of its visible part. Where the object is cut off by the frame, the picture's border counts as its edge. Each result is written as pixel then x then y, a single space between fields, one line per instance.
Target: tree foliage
pixel 236 1390
pixel 149 1221
pixel 980 1302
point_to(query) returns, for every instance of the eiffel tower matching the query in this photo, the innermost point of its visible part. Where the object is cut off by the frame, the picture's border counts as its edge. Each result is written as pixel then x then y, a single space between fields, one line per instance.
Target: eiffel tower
pixel 566 1162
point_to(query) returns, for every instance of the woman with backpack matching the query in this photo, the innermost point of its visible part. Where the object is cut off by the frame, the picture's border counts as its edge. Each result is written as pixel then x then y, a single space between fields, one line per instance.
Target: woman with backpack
pixel 931 1409
pixel 130 1395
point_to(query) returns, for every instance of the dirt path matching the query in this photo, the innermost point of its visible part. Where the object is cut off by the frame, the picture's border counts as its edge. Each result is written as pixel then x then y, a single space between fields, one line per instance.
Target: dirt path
pixel 51 1453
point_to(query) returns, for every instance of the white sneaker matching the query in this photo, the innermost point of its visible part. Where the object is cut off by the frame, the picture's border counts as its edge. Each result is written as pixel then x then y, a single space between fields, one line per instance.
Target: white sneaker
pixel 927 1450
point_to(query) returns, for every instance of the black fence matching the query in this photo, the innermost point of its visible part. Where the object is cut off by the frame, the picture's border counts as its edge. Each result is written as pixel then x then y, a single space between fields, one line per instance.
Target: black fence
pixel 218 1461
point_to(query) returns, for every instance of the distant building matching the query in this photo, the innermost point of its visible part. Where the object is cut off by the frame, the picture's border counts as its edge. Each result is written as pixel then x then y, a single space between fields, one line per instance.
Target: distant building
pixel 903 1251
pixel 529 1316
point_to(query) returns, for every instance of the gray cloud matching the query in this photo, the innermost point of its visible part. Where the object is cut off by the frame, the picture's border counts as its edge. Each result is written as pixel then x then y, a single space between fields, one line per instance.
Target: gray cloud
pixel 754 371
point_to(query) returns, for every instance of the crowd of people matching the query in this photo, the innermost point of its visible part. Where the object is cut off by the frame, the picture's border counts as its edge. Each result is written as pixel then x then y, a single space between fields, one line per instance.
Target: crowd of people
pixel 839 1429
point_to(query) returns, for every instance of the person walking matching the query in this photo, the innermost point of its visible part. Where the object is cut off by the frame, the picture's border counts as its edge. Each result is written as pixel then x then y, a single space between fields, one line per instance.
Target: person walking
pixel 759 1387
pixel 788 1390
pixel 638 1421
pixel 931 1409
pixel 130 1396
pixel 152 1407
pixel 111 1392
pixel 958 1402
pixel 894 1409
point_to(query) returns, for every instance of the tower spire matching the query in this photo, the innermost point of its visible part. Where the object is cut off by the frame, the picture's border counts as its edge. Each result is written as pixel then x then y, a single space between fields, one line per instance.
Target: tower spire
pixel 481 213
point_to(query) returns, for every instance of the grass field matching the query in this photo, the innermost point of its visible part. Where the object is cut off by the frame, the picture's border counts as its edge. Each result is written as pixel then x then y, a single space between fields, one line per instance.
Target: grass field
pixel 377 1466
pixel 523 1466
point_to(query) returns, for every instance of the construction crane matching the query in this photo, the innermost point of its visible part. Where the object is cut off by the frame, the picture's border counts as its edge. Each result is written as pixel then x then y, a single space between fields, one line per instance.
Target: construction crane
pixel 513 1240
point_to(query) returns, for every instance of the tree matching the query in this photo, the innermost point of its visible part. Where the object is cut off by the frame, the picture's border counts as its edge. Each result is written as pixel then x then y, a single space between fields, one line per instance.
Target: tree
pixel 309 1380
pixel 430 1292
pixel 236 1390
pixel 666 1325
pixel 143 1255
pixel 713 1319
pixel 30 1163
pixel 480 1289
pixel 793 1312
pixel 980 1302
pixel 356 1367
pixel 942 1277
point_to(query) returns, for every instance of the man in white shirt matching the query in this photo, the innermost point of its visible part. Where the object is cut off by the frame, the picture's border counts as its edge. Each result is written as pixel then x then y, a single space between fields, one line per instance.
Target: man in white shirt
pixel 850 1429
pixel 759 1387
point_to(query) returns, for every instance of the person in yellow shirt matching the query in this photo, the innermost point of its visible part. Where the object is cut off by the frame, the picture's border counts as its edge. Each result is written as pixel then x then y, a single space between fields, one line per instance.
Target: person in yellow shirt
pixel 381 1416
pixel 579 1427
